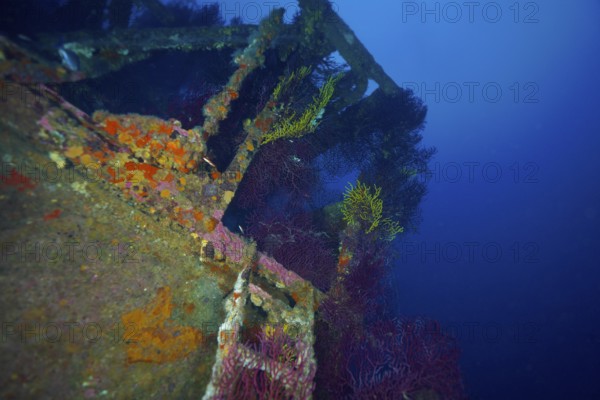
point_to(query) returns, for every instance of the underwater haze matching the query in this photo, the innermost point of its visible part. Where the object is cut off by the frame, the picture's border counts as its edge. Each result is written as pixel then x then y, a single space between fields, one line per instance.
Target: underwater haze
pixel 508 253
pixel 300 199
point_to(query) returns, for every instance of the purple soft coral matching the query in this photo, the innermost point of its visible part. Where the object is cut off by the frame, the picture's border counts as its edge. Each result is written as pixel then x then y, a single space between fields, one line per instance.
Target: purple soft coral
pixel 277 367
pixel 396 359
pixel 292 241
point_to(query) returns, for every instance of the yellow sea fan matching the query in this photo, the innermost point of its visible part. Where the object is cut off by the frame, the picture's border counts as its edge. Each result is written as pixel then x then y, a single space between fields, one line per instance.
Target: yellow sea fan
pixel 363 206
pixel 293 127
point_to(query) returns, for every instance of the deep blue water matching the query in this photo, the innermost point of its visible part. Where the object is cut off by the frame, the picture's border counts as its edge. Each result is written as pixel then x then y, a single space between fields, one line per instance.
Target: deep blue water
pixel 507 253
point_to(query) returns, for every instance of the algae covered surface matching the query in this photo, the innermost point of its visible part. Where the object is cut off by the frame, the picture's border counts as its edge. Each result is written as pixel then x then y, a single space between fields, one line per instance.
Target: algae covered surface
pixel 98 298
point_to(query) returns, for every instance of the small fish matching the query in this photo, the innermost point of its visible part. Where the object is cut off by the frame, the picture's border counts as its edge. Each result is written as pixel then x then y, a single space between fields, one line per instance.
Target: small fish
pixel 209 162
pixel 69 59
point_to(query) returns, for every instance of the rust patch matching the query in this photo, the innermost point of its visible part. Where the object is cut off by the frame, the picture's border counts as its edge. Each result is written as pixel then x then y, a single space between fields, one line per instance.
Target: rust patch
pixel 153 337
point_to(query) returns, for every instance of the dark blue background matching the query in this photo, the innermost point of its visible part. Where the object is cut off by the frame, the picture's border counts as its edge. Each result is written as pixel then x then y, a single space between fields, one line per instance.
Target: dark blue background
pixel 527 317
pixel 506 257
